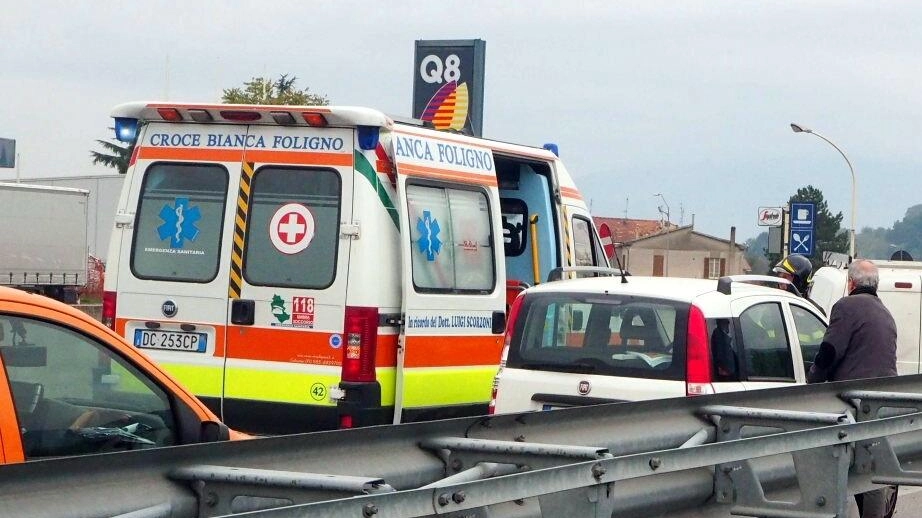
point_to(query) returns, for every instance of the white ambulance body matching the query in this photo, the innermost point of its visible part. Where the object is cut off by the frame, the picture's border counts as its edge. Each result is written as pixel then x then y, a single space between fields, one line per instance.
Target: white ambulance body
pixel 303 268
pixel 900 289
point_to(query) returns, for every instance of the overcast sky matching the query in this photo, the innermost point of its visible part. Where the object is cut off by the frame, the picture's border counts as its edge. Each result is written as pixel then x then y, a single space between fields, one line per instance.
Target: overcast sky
pixel 689 99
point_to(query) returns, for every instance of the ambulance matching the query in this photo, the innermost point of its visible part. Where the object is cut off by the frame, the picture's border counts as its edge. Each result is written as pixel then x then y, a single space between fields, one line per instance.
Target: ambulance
pixel 303 268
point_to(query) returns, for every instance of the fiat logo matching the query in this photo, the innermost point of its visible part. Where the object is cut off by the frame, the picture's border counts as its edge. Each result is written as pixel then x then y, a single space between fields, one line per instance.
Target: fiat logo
pixel 584 387
pixel 169 309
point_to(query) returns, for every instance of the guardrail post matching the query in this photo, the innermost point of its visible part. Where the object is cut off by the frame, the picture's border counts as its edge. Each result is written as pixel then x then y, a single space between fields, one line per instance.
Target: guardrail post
pixel 876 456
pixel 822 473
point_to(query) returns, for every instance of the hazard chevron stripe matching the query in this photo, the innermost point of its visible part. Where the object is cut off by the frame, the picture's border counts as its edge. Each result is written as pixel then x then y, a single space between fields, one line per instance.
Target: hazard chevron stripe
pixel 243 203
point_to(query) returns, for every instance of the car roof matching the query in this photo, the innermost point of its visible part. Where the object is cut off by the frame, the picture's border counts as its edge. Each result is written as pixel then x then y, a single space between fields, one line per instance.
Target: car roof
pixel 671 288
pixel 8 294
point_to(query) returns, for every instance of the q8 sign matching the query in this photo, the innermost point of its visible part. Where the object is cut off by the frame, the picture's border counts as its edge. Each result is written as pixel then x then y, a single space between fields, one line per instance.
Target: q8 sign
pixel 448 84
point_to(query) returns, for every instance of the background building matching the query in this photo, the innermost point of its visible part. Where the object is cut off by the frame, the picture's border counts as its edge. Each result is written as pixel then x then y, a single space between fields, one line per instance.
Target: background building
pixel 662 249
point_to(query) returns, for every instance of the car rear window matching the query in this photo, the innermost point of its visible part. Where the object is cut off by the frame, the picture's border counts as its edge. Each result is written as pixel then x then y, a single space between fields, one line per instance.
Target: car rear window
pixel 601 334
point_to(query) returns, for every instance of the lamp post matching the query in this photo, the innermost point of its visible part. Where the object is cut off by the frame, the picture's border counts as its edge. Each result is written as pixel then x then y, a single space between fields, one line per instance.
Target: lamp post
pixel 851 238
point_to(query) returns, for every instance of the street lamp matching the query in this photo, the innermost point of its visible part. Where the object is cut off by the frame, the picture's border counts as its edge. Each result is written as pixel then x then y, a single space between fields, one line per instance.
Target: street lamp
pixel 851 241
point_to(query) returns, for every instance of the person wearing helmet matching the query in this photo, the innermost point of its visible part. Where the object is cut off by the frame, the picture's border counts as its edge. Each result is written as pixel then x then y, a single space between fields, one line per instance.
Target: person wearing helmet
pixel 799 270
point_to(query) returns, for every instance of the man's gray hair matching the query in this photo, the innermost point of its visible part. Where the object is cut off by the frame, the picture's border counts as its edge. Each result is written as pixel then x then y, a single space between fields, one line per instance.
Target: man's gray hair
pixel 863 274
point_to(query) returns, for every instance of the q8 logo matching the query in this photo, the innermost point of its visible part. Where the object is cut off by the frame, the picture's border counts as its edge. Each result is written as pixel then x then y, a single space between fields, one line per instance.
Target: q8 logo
pixel 433 70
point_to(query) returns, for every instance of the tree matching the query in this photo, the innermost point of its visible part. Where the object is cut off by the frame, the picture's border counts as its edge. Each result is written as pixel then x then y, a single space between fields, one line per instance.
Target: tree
pixel 756 248
pixel 829 235
pixel 262 90
pixel 907 233
pixel 118 155
pixel 874 243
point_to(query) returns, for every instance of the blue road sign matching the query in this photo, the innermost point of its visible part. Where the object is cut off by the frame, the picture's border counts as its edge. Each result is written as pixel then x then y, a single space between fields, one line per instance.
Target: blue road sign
pixel 803 215
pixel 802 241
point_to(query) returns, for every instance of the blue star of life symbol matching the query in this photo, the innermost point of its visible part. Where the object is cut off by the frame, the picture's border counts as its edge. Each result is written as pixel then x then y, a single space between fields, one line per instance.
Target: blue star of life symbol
pixel 429 242
pixel 179 222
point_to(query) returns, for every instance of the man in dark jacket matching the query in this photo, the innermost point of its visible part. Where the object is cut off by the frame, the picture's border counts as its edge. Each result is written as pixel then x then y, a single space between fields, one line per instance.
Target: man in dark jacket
pixel 860 342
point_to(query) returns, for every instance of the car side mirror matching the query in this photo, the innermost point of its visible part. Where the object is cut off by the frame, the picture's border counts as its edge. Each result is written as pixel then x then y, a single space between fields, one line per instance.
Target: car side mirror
pixel 24 355
pixel 212 431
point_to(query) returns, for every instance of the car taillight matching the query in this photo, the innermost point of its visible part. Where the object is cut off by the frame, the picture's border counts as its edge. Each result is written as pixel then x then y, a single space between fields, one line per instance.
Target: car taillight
pixel 698 362
pixel 108 309
pixel 510 327
pixel 491 409
pixel 361 341
pixel 513 316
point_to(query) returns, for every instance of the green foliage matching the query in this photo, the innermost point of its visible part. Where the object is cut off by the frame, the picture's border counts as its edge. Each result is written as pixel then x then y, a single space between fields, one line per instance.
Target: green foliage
pixel 829 235
pixel 874 243
pixel 117 155
pixel 756 248
pixel 263 90
pixel 907 233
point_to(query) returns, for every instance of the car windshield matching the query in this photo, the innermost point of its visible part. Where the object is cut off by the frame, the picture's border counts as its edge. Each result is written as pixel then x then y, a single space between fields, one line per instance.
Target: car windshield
pixel 601 334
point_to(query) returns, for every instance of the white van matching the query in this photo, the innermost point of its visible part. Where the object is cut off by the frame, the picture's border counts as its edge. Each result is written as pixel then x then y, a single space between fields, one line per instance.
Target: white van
pixel 303 268
pixel 900 290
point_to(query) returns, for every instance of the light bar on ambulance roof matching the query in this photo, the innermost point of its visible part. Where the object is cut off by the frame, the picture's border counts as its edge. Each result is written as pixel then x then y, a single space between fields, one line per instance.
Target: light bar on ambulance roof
pixel 550 146
pixel 126 129
pixel 170 114
pixel 315 119
pixel 200 115
pixel 283 118
pixel 240 115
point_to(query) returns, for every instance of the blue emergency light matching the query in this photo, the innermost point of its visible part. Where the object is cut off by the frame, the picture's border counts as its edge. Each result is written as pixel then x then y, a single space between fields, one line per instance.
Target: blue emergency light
pixel 550 146
pixel 368 137
pixel 126 129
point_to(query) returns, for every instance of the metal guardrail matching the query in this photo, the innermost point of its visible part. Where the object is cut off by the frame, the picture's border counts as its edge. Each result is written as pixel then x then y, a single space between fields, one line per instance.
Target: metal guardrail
pixel 716 455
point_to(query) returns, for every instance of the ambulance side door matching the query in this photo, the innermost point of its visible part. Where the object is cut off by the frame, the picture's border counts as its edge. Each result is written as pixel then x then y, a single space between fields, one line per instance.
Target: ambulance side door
pixel 453 276
pixel 286 298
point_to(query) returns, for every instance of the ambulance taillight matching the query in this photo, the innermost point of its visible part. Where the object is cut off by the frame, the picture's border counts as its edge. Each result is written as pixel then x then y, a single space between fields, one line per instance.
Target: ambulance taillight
pixel 361 341
pixel 108 309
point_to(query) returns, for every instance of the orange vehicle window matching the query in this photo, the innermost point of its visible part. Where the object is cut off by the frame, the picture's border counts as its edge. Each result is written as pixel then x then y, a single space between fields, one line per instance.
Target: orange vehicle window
pixel 74 396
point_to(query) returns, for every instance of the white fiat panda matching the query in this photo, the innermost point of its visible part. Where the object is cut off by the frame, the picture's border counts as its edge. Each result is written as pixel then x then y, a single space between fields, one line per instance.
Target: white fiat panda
pixel 611 339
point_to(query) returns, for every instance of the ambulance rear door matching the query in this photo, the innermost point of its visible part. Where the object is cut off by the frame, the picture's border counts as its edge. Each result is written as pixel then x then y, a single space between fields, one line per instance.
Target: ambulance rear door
pixel 453 275
pixel 287 290
pixel 173 275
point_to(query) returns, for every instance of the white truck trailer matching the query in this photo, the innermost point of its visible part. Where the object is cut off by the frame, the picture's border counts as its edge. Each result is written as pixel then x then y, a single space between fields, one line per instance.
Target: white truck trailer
pixel 43 239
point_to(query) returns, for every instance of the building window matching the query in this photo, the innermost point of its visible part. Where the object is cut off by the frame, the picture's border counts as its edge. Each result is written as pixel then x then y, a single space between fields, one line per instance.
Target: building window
pixel 714 267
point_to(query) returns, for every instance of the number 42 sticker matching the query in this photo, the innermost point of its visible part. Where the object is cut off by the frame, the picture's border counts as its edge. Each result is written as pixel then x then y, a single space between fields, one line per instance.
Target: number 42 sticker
pixel 318 392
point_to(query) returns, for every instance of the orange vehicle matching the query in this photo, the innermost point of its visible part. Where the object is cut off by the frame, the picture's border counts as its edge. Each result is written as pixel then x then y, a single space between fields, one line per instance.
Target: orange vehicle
pixel 70 386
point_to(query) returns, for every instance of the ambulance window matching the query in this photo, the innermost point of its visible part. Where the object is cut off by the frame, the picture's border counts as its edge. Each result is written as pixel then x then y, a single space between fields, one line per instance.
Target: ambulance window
pixel 586 248
pixel 73 395
pixel 180 217
pixel 451 239
pixel 293 229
